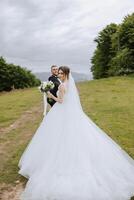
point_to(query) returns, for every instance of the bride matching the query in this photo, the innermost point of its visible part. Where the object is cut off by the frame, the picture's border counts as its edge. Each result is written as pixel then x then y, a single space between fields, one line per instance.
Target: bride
pixel 71 158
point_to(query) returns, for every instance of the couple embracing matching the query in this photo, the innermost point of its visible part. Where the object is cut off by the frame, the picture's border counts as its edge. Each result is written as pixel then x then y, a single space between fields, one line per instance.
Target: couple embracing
pixel 69 156
pixel 55 79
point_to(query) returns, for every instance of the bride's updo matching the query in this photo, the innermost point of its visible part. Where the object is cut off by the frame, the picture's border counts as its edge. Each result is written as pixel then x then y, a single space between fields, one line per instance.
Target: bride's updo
pixel 66 70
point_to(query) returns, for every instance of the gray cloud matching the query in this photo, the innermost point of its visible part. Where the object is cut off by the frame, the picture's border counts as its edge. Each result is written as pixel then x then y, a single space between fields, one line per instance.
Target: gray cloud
pixel 37 34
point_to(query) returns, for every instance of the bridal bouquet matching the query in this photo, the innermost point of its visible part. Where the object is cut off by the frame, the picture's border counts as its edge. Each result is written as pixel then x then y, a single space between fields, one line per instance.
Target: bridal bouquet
pixel 46 86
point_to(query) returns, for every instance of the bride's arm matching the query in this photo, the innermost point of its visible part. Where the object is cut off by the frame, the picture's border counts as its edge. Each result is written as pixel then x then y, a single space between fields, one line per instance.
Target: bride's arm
pixel 60 96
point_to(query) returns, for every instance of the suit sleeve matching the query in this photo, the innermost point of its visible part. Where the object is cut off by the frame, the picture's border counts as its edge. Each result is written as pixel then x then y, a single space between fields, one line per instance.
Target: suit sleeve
pixel 51 79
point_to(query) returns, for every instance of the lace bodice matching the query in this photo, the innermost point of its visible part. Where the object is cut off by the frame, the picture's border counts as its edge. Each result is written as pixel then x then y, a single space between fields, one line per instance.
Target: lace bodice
pixel 65 85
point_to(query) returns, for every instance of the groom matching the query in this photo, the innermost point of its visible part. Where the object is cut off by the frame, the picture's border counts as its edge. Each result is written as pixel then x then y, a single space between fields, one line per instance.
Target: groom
pixel 56 81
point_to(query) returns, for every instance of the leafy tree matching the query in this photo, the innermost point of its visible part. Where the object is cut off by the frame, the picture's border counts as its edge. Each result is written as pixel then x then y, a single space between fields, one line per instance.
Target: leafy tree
pixel 114 54
pixel 14 76
pixel 126 33
pixel 104 52
pixel 121 63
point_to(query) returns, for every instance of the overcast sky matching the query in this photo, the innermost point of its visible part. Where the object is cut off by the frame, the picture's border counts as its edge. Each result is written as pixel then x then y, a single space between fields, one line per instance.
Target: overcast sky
pixel 38 33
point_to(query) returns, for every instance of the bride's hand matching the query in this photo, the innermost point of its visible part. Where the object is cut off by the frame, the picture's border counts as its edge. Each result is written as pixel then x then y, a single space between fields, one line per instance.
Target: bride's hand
pixel 49 94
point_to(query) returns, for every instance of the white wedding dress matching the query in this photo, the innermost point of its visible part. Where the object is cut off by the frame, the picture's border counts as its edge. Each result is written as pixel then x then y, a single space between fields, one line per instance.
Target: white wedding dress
pixel 71 158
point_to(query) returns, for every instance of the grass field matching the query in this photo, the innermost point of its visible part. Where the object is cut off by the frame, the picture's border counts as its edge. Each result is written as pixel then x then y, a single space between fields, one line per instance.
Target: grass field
pixel 13 104
pixel 109 103
pixel 20 115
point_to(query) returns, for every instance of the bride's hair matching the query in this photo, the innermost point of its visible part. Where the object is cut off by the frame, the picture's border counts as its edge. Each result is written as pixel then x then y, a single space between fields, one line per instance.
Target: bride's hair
pixel 66 70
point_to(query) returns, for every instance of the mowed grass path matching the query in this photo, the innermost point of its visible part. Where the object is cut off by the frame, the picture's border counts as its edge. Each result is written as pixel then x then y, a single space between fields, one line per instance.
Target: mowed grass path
pixel 24 106
pixel 13 104
pixel 108 102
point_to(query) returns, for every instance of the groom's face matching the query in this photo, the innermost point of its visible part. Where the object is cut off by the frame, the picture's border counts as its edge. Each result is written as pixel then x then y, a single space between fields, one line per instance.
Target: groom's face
pixel 54 71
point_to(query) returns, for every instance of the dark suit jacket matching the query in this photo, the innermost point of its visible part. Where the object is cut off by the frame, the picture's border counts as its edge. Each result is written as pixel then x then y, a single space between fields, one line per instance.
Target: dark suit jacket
pixel 56 82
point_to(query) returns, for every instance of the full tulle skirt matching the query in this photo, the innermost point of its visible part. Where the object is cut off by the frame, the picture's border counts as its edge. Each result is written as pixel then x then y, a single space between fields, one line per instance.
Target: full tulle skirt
pixel 71 158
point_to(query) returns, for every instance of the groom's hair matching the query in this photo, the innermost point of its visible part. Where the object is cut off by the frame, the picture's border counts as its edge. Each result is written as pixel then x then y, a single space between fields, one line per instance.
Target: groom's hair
pixel 53 66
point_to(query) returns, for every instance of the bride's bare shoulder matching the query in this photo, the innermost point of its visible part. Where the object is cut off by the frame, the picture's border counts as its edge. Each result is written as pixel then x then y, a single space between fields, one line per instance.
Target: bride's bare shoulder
pixel 62 87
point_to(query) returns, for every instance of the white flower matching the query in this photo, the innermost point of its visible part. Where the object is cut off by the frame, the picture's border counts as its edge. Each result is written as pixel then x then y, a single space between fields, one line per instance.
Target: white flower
pixel 46 86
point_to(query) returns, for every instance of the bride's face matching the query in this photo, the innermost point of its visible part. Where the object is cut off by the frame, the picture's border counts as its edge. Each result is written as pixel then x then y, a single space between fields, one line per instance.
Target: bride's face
pixel 61 75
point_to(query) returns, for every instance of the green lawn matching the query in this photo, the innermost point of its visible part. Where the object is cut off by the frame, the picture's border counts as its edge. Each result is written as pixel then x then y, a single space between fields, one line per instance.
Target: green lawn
pixel 109 103
pixel 13 104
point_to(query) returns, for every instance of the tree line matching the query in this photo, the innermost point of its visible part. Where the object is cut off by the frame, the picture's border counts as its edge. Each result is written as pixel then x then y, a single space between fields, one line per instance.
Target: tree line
pixel 15 77
pixel 114 53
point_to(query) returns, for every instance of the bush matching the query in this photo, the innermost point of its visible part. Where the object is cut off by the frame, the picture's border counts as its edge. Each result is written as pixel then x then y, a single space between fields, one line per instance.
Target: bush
pixel 14 76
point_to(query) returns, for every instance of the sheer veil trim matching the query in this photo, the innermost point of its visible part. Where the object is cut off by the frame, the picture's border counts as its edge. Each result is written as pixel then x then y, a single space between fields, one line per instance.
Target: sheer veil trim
pixel 72 97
